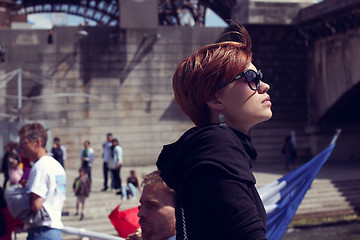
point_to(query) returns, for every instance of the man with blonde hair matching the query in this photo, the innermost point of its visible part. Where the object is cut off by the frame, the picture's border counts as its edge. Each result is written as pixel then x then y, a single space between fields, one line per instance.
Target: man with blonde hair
pixel 156 210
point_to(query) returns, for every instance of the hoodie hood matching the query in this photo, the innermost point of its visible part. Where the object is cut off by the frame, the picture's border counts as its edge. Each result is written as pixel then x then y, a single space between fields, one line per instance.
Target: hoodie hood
pixel 220 146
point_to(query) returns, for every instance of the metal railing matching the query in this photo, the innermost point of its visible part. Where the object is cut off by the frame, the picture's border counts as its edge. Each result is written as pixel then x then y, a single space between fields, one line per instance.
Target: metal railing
pixel 90 234
pixel 81 232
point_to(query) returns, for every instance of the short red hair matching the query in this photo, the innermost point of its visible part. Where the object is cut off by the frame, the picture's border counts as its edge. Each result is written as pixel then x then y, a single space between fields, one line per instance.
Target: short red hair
pixel 198 76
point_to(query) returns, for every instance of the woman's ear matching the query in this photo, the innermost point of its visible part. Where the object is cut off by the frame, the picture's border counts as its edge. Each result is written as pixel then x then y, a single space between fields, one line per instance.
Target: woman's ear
pixel 215 104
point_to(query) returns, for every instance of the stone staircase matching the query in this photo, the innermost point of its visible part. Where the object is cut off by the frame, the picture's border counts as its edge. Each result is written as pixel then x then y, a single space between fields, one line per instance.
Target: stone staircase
pixel 327 198
pixel 268 139
pixel 334 195
pixel 328 201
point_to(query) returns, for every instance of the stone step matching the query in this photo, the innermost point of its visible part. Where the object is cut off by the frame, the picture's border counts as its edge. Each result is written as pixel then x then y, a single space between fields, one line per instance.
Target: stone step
pixel 268 140
pixel 325 198
pixel 328 198
pixel 98 206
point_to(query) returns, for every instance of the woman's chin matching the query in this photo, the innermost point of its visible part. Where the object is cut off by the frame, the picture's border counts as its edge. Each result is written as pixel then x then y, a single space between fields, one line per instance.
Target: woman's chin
pixel 264 118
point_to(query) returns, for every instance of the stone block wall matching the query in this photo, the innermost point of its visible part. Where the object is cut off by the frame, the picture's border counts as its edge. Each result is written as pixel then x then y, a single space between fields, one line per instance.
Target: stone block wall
pixel 119 81
pixel 126 74
pixel 268 11
pixel 335 67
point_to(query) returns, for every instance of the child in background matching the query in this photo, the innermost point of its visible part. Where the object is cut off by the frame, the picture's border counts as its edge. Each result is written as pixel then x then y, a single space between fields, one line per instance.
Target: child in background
pixel 81 189
pixel 15 170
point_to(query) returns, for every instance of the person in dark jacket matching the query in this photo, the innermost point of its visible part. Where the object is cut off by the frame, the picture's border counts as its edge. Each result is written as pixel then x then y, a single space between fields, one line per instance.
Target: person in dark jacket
pixel 5 161
pixel 57 152
pixel 9 148
pixel 209 167
pixel 289 151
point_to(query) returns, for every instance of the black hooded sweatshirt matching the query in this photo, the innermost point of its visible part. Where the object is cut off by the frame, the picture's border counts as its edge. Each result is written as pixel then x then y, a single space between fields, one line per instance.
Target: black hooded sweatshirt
pixel 210 170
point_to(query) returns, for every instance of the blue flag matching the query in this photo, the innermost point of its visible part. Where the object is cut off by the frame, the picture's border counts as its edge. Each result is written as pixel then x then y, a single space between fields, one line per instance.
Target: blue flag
pixel 281 198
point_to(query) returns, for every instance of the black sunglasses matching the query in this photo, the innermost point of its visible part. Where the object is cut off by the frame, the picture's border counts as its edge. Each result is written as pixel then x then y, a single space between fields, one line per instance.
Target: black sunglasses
pixel 252 78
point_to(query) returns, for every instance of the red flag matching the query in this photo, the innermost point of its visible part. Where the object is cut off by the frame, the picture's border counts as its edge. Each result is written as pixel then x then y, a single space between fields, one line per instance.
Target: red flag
pixel 126 221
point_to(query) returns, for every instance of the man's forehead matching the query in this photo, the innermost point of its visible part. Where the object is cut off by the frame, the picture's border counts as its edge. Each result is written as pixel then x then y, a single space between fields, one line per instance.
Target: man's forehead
pixel 153 193
pixel 149 199
pixel 150 191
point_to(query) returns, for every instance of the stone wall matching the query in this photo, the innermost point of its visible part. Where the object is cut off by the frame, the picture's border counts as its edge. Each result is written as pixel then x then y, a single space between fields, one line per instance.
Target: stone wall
pixel 124 77
pixel 332 30
pixel 336 68
pixel 127 75
pixel 268 11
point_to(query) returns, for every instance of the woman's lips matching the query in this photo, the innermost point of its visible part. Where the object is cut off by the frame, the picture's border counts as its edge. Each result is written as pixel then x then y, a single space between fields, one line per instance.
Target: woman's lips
pixel 266 101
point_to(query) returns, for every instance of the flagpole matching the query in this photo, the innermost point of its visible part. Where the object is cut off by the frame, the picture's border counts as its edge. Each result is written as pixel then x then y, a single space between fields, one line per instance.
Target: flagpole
pixel 335 137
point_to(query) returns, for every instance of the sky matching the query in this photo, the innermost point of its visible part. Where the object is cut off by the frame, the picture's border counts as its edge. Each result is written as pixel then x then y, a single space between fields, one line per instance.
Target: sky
pixel 49 20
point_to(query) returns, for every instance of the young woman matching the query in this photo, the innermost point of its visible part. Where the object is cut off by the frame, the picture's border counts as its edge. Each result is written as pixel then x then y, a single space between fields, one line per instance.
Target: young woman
pixel 209 167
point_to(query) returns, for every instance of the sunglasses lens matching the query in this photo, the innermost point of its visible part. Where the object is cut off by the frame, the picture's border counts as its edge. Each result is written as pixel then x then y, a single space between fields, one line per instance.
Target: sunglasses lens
pixel 261 76
pixel 252 79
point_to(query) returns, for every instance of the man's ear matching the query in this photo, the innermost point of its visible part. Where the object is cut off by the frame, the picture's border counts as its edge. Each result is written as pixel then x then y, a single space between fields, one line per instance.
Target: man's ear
pixel 39 141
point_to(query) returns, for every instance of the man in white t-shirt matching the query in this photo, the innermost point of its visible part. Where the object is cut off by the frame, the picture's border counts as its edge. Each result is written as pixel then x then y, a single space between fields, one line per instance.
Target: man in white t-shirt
pixel 46 183
pixel 106 157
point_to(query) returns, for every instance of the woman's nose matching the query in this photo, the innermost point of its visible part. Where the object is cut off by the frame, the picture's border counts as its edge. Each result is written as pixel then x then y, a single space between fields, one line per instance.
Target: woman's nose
pixel 264 87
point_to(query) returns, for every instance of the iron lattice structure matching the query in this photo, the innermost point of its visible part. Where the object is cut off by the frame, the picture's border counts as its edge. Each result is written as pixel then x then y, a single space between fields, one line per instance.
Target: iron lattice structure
pixel 192 12
pixel 106 12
